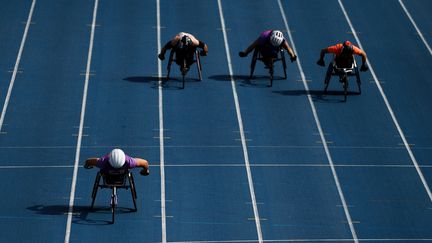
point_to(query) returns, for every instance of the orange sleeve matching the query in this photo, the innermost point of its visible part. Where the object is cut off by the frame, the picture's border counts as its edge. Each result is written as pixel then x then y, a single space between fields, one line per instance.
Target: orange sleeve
pixel 336 49
pixel 357 51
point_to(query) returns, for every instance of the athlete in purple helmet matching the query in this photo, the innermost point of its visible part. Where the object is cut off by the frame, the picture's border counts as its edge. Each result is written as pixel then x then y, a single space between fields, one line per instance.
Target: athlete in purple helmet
pixel 269 44
pixel 117 160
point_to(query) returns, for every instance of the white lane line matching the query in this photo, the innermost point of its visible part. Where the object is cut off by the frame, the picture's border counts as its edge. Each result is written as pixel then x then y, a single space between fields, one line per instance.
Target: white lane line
pixel 161 129
pixel 415 26
pixel 240 123
pixel 218 146
pixel 322 136
pixel 389 108
pixel 307 240
pixel 83 109
pixel 209 165
pixel 17 62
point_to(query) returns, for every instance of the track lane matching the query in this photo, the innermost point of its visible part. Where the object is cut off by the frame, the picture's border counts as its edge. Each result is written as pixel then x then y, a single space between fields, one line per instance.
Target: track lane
pixel 281 116
pixel 48 88
pixel 121 112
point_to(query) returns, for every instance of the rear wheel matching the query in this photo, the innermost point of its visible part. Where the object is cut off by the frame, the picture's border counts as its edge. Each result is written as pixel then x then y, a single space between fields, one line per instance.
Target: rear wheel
pixel 95 189
pixel 133 191
pixel 253 63
pixel 184 71
pixel 328 77
pixel 199 67
pixel 284 66
pixel 357 74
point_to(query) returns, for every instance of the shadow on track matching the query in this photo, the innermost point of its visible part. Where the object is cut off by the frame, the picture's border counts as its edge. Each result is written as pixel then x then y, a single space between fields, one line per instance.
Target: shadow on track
pixel 258 81
pixel 171 84
pixel 319 95
pixel 80 213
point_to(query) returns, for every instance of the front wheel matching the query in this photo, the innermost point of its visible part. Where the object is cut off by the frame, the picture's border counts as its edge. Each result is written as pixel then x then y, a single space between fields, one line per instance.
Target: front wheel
pixel 345 86
pixel 113 204
pixel 271 71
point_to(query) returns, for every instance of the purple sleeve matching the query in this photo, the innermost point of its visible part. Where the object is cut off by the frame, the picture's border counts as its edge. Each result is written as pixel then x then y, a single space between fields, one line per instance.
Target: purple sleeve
pixel 102 161
pixel 130 162
pixel 264 36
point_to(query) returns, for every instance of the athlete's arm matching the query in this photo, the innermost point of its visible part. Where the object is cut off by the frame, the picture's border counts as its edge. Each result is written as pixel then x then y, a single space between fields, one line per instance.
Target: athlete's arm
pixel 90 162
pixel 289 50
pixel 144 165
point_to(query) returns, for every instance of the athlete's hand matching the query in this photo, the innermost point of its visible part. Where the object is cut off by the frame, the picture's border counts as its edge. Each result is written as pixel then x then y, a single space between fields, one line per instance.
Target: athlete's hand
pixel 364 68
pixel 161 57
pixel 145 172
pixel 294 58
pixel 321 62
pixel 242 54
pixel 86 166
pixel 203 53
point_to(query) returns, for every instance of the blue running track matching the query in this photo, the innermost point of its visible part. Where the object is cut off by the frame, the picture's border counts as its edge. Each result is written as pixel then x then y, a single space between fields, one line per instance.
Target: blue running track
pixel 232 160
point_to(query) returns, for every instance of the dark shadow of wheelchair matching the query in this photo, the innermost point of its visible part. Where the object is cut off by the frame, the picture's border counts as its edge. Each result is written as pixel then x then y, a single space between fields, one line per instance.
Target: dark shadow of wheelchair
pixel 174 83
pixel 153 80
pixel 142 79
pixel 258 81
pixel 319 95
pixel 80 213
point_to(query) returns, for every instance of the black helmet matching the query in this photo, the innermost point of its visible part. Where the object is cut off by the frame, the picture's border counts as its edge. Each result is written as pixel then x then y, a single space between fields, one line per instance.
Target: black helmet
pixel 185 42
pixel 347 47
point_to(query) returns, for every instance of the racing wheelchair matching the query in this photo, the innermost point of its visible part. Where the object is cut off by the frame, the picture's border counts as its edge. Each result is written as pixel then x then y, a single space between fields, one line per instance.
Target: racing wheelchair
pixel 120 179
pixel 343 72
pixel 257 56
pixel 181 59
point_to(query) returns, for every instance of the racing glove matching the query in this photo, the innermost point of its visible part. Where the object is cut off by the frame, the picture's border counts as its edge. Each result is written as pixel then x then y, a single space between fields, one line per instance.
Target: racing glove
pixel 294 58
pixel 364 68
pixel 161 57
pixel 145 172
pixel 242 54
pixel 87 166
pixel 321 62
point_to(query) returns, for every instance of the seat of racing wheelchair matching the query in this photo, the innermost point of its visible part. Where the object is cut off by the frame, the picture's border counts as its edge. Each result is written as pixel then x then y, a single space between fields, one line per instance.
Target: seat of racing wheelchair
pixel 174 56
pixel 342 69
pixel 114 179
pixel 257 56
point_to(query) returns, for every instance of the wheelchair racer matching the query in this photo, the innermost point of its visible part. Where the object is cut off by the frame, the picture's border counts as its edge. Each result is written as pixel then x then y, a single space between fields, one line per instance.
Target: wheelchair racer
pixel 269 44
pixel 117 160
pixel 344 54
pixel 184 45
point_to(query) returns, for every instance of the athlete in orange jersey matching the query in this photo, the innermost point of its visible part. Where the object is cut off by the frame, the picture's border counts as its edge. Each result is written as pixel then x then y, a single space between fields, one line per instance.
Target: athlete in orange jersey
pixel 344 55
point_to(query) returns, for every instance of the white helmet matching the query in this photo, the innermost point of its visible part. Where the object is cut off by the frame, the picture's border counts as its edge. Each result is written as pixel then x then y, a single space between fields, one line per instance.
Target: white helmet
pixel 117 158
pixel 276 38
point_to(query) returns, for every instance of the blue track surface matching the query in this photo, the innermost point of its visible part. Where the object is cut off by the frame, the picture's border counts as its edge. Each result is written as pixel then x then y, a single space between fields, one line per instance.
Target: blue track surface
pixel 309 168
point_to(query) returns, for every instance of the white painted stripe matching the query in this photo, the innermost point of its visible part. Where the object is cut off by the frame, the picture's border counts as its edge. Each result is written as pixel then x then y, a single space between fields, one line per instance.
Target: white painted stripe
pixel 322 136
pixel 240 123
pixel 83 109
pixel 218 146
pixel 307 240
pixel 415 26
pixel 209 165
pixel 17 62
pixel 389 108
pixel 34 166
pixel 161 129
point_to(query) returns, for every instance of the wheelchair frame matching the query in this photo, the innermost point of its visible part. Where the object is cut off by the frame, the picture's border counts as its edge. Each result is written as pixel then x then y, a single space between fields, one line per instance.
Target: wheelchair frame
pixel 280 57
pixel 343 74
pixel 114 181
pixel 184 70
